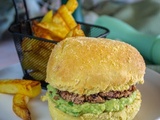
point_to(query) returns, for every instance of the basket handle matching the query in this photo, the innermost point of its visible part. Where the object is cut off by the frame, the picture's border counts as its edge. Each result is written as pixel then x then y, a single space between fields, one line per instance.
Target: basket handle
pixel 18 19
pixel 25 26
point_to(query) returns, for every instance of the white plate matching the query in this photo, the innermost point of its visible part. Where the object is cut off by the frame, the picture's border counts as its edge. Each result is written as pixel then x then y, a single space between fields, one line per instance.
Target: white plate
pixel 150 109
pixel 38 109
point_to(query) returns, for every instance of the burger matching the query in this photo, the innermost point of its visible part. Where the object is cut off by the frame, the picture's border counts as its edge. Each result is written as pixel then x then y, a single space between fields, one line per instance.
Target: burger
pixel 94 79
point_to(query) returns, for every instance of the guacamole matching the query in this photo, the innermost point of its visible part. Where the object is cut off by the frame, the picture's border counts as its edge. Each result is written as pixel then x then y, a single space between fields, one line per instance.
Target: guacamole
pixel 94 108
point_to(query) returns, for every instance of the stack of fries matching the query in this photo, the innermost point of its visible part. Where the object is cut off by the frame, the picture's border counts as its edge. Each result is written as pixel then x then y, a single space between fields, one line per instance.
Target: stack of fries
pixel 55 27
pixel 23 91
pixel 59 25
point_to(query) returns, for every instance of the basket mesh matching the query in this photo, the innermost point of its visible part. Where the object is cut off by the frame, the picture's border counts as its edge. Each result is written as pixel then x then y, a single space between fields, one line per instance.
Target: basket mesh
pixel 34 52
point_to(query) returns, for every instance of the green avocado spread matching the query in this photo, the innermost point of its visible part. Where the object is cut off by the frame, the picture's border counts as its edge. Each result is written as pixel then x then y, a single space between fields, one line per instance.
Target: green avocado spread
pixel 94 108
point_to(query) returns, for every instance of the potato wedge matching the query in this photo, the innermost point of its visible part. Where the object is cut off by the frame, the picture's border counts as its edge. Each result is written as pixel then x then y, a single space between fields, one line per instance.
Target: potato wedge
pixel 57 19
pixel 26 87
pixel 67 17
pixel 59 25
pixel 29 44
pixel 33 61
pixel 35 56
pixel 77 31
pixel 51 31
pixel 20 106
pixel 48 17
pixel 46 48
pixel 72 5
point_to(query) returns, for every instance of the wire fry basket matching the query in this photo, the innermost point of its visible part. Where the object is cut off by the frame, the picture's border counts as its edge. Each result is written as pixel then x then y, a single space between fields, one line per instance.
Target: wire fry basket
pixel 34 52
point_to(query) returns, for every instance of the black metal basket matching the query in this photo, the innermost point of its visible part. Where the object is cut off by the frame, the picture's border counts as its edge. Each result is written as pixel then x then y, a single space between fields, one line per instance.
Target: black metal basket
pixel 34 52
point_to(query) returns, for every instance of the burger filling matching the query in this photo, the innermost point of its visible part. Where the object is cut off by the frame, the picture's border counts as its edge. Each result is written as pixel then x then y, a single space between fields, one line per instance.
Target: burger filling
pixel 95 98
pixel 77 105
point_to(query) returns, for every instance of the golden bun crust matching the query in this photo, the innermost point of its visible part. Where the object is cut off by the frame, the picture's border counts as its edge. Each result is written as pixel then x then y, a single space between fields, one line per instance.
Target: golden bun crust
pixel 86 65
pixel 128 113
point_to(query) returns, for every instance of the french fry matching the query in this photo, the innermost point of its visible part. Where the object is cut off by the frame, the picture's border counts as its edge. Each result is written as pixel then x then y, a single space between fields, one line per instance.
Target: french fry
pixel 35 56
pixel 71 5
pixel 59 20
pixel 36 63
pixel 76 32
pixel 32 60
pixel 67 17
pixel 42 32
pixel 20 106
pixel 45 51
pixel 22 90
pixel 29 44
pixel 48 17
pixel 26 87
pixel 51 31
pixel 61 23
pixel 47 46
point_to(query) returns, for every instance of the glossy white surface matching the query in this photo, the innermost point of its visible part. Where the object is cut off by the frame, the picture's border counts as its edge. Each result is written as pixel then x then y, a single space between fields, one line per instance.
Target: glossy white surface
pixel 38 109
pixel 150 90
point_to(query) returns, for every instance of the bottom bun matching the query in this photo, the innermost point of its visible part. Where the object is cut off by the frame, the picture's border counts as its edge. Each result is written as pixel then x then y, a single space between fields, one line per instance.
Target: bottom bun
pixel 128 113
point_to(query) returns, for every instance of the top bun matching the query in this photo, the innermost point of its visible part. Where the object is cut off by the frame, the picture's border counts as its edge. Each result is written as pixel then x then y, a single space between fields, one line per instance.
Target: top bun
pixel 86 65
